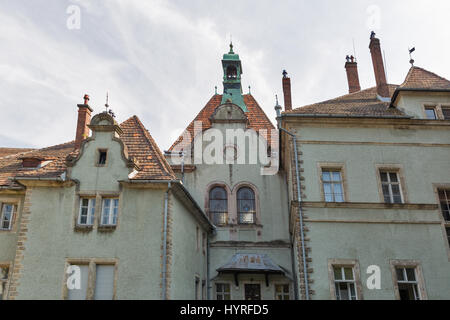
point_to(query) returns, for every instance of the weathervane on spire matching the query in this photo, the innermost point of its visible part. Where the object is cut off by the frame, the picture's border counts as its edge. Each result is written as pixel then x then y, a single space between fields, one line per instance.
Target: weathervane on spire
pixel 410 55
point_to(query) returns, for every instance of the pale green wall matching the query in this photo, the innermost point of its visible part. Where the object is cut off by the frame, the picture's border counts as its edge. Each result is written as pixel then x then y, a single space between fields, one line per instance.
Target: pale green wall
pixel 376 244
pixel 8 239
pixel 413 102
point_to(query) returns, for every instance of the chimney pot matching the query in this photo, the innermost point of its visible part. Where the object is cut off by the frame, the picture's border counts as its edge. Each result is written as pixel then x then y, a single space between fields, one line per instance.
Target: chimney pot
pixel 287 91
pixel 378 66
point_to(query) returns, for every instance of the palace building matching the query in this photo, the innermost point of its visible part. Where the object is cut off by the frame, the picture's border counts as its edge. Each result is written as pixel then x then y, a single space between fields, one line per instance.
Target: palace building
pixel 343 199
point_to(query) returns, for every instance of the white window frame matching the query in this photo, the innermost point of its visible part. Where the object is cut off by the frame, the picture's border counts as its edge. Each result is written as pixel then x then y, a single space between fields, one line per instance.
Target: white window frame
pixel 282 293
pixel 415 283
pixel 114 204
pixel 389 183
pixel 222 293
pixel 11 217
pixel 332 183
pixel 346 281
pixel 90 219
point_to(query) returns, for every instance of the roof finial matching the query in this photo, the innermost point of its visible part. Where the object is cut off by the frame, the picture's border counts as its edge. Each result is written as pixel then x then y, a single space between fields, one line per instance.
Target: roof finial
pixel 106 104
pixel 215 90
pixel 231 44
pixel 410 55
pixel 111 113
pixel 276 97
pixel 249 92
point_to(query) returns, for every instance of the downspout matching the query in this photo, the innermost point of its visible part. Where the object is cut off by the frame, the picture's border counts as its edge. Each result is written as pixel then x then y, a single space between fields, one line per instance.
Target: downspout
pixel 208 286
pixel 164 271
pixel 299 199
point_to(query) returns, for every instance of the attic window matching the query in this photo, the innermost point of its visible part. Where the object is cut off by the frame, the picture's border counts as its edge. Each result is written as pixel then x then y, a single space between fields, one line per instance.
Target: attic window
pixel 31 162
pixel 102 155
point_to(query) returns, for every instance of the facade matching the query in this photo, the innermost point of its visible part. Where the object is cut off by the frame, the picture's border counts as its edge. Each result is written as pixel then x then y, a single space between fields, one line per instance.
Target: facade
pixel 345 199
pixel 374 180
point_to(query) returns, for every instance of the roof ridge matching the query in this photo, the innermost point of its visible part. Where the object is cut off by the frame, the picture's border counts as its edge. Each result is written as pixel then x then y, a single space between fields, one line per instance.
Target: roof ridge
pixel 410 72
pixel 162 162
pixel 259 107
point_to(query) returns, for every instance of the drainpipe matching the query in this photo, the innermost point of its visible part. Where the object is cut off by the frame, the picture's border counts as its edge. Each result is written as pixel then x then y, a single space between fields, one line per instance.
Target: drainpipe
pixel 299 198
pixel 208 286
pixel 164 271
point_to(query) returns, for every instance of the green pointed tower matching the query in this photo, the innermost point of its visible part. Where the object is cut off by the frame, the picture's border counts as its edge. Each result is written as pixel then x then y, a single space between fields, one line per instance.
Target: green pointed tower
pixel 232 71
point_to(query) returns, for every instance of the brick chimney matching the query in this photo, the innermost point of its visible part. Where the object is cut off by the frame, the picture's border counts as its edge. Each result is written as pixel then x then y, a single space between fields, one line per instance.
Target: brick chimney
pixel 84 118
pixel 378 66
pixel 351 66
pixel 287 92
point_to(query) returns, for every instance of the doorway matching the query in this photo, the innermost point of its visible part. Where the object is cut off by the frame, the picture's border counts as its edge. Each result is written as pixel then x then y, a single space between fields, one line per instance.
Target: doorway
pixel 252 292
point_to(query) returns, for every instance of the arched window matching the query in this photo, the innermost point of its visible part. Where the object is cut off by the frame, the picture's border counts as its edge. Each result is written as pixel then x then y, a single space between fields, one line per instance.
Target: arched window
pixel 231 73
pixel 246 206
pixel 218 206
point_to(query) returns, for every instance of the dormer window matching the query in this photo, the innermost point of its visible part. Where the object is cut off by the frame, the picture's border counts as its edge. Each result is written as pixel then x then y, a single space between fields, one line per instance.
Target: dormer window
pixel 231 73
pixel 102 155
pixel 31 162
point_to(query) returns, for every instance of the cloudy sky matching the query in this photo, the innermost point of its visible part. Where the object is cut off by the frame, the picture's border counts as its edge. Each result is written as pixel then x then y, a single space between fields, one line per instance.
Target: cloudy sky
pixel 160 60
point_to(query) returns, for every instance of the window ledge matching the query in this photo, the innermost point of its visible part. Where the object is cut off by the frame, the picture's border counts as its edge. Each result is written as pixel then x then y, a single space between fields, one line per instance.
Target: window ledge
pixel 83 228
pixel 107 228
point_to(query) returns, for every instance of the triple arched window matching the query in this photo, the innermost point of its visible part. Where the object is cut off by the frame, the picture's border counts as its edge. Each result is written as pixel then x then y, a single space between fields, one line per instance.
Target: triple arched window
pixel 240 207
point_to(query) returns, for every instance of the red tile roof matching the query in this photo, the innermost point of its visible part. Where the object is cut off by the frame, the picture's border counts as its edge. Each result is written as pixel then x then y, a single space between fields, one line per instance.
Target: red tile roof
pixel 361 103
pixel 256 117
pixel 140 145
pixel 419 78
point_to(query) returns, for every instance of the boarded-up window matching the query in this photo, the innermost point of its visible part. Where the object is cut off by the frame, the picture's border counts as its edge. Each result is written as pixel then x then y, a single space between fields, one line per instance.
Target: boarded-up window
pixel 80 293
pixel 104 282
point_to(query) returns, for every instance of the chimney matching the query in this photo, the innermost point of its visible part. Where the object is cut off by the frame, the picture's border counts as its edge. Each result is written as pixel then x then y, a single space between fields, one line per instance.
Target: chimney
pixel 352 75
pixel 287 92
pixel 378 66
pixel 84 118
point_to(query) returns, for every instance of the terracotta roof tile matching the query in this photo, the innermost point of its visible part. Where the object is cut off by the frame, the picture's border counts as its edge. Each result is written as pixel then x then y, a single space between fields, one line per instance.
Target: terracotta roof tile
pixel 256 117
pixel 361 103
pixel 11 151
pixel 419 78
pixel 140 145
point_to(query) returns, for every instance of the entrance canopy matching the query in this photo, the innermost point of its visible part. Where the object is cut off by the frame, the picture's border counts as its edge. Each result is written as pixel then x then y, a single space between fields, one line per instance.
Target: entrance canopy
pixel 250 263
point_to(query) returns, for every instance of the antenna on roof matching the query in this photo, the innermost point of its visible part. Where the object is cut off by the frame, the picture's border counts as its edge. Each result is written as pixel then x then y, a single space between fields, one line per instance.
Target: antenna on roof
pixel 215 89
pixel 249 92
pixel 411 60
pixel 354 50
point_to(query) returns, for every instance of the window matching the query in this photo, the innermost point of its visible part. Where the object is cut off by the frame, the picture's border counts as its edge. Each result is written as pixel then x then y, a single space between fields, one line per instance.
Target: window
pixel 97 280
pixel 81 293
pixel 344 282
pixel 332 185
pixel 282 292
pixel 444 200
pixel 448 234
pixel 6 216
pixel 218 206
pixel 246 206
pixel 204 242
pixel 407 283
pixel 87 212
pixel 390 185
pixel 446 112
pixel 110 208
pixel 223 291
pixel 431 113
pixel 102 154
pixel 4 272
pixel 231 73
pixel 104 282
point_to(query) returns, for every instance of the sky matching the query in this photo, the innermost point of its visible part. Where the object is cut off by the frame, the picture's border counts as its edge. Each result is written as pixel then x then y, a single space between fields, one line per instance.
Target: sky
pixel 160 60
